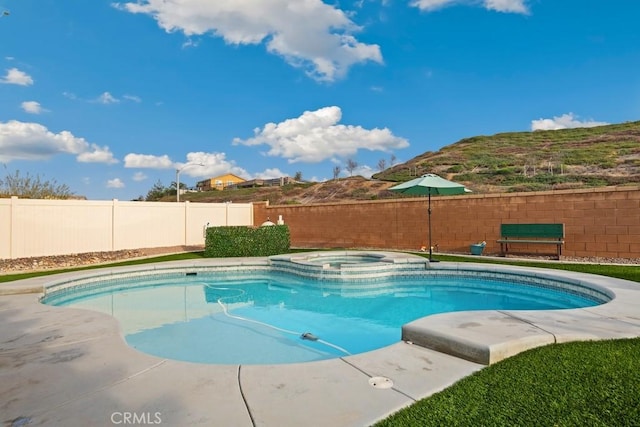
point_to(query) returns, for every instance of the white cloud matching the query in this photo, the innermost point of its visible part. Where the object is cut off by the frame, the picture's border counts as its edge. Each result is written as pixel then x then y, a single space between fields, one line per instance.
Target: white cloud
pixel 506 6
pixel 139 176
pixel 97 155
pixel 133 98
pixel 17 77
pixel 107 98
pixel 32 141
pixel 565 121
pixel 428 5
pixel 316 136
pixel 32 107
pixel 269 174
pixel 309 34
pixel 115 183
pixel 214 164
pixel 147 161
pixel 363 170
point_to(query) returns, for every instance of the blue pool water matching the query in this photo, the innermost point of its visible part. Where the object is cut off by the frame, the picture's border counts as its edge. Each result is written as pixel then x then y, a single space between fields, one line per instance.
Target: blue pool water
pixel 260 318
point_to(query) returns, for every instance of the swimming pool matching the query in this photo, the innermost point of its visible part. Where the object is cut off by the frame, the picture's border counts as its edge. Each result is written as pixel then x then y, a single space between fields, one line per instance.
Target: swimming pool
pixel 255 314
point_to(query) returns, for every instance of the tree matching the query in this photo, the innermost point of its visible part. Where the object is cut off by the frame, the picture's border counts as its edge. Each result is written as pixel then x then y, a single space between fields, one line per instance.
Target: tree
pixel 298 176
pixel 351 166
pixel 171 190
pixel 392 160
pixel 33 187
pixel 336 172
pixel 158 191
pixel 382 164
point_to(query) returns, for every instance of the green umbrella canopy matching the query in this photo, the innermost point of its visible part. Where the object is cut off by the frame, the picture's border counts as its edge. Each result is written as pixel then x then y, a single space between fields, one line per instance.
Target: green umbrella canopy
pixel 429 184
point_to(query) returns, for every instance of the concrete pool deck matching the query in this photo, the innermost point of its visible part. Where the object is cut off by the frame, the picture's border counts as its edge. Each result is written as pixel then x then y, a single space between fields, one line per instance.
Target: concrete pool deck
pixel 62 366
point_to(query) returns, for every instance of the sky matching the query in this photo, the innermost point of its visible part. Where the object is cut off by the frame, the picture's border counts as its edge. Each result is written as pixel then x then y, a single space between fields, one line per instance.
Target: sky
pixel 111 97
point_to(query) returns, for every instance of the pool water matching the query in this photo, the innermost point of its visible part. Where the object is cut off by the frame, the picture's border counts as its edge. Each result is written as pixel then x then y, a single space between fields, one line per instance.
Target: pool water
pixel 261 318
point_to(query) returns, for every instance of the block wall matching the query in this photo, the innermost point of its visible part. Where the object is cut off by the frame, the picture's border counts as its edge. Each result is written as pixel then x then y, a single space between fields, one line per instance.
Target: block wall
pixel 603 222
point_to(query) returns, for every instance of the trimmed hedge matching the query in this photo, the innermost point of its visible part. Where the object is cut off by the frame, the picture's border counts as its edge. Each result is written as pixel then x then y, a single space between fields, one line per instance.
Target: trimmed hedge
pixel 247 241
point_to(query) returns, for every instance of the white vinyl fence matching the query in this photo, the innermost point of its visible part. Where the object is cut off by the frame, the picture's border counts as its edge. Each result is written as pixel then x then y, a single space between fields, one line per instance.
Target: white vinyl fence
pixel 31 228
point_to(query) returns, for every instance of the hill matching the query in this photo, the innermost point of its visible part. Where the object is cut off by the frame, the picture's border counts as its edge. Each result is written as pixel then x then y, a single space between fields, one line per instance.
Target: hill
pixel 505 162
pixel 529 161
pixel 338 190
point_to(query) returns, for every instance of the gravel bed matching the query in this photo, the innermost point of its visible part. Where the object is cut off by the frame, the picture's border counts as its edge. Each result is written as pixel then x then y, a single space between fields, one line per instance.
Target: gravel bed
pixel 26 265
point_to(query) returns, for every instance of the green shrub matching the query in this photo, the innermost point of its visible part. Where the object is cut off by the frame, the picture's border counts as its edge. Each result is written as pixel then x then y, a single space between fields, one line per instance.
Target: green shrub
pixel 240 241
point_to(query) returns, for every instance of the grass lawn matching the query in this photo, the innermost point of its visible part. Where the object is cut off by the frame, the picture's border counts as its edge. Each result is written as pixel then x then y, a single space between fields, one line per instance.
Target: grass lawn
pixel 573 384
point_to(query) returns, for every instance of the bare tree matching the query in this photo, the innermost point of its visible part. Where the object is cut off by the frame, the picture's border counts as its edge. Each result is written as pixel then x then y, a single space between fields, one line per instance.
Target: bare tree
pixel 382 164
pixel 336 172
pixel 33 187
pixel 351 166
pixel 392 160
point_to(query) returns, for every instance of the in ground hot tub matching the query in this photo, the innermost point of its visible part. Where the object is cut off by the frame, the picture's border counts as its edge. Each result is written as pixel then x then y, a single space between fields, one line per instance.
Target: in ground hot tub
pixel 337 261
pixel 349 265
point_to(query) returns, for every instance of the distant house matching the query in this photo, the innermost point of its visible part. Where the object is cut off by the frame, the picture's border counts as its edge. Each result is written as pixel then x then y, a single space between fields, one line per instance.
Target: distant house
pixel 219 182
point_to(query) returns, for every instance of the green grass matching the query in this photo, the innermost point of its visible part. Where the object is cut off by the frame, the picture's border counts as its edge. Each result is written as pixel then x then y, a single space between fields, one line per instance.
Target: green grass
pixel 572 384
pixel 627 272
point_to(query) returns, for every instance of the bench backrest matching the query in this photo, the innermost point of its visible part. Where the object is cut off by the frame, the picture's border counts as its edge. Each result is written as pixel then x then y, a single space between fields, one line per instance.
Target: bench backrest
pixel 532 230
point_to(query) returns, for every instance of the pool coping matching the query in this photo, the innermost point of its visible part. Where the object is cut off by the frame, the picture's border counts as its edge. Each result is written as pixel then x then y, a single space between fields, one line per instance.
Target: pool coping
pixel 62 366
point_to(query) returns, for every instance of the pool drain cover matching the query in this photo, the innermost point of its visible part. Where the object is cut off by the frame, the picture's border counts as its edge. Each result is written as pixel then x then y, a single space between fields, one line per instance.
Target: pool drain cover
pixel 380 382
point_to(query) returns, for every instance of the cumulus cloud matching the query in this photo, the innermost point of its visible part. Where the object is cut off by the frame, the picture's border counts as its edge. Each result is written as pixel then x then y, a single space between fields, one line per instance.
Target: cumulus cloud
pixel 32 141
pixel 115 183
pixel 97 155
pixel 316 136
pixel 17 77
pixel 32 107
pixel 506 6
pixel 310 34
pixel 147 161
pixel 565 121
pixel 214 164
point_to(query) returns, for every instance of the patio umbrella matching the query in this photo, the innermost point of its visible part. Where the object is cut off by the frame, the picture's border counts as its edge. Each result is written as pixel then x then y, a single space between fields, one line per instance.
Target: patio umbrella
pixel 426 185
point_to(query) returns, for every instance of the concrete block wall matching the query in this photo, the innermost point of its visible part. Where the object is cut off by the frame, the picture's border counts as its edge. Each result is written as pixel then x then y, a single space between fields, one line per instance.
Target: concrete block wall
pixel 602 222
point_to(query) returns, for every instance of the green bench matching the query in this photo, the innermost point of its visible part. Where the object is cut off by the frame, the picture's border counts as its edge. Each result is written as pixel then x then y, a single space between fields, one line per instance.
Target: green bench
pixel 547 234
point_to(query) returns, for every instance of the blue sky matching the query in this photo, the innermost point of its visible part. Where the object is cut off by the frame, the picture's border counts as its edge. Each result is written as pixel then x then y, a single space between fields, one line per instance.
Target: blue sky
pixel 110 97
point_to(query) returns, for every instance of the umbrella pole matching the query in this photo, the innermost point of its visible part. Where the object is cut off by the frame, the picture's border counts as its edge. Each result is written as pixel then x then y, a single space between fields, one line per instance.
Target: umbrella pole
pixel 429 211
